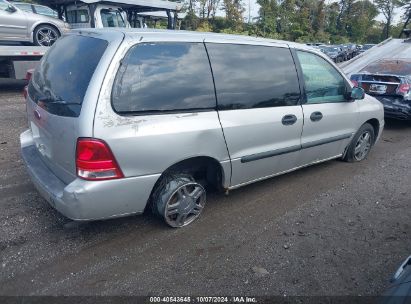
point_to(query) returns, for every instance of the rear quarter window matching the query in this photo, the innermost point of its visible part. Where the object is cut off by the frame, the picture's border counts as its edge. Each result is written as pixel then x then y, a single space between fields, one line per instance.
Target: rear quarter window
pixel 78 16
pixel 164 77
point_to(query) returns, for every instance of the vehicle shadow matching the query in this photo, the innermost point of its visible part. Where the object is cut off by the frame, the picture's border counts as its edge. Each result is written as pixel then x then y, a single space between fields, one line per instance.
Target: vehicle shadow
pixel 11 85
pixel 395 124
pixel 218 204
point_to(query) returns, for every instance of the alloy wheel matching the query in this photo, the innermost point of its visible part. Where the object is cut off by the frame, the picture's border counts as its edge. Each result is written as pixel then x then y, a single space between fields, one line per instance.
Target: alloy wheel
pixel 46 36
pixel 185 205
pixel 362 146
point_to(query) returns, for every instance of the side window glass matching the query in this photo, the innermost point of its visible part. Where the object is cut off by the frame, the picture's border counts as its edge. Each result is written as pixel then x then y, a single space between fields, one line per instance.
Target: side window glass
pixel 42 10
pixel 3 5
pixel 77 16
pixel 24 7
pixel 111 18
pixel 253 76
pixel 82 16
pixel 71 16
pixel 156 77
pixel 323 83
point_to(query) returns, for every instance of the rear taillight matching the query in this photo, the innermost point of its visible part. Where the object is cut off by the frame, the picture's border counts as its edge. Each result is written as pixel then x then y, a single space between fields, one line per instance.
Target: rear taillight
pixel 29 73
pixel 28 77
pixel 404 88
pixel 95 161
pixel 354 82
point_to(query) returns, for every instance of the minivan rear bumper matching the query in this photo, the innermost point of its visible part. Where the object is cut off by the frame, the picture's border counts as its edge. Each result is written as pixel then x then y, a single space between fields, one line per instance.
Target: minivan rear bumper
pixel 86 200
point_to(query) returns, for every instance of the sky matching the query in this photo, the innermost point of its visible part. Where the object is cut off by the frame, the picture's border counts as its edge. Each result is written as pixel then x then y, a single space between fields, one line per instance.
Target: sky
pixel 252 6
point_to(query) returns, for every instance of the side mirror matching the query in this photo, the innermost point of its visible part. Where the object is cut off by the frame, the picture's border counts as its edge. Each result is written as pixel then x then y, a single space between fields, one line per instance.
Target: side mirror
pixel 357 93
pixel 11 9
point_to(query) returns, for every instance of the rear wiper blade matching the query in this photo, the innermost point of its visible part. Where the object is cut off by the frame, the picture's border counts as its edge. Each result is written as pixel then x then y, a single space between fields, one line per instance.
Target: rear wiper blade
pixel 49 99
pixel 52 97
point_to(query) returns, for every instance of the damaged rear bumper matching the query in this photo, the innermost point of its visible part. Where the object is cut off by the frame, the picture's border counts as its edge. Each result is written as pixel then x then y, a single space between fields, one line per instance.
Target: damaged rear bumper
pixel 396 107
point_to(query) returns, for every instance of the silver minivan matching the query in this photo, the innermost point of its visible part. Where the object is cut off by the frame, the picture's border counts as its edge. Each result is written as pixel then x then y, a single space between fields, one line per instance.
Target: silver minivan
pixel 122 120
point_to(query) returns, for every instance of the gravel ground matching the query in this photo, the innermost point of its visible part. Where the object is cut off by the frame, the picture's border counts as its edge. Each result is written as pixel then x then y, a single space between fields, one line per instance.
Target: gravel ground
pixel 330 229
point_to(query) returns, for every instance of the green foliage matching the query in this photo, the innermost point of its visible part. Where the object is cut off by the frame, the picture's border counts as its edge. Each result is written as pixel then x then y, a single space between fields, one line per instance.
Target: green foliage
pixel 300 20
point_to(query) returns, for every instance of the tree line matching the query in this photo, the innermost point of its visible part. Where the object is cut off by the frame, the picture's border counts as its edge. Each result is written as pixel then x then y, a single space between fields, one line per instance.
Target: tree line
pixel 301 20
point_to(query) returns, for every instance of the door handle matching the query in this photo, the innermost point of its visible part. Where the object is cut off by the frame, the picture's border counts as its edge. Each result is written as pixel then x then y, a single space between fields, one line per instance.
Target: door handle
pixel 289 120
pixel 316 116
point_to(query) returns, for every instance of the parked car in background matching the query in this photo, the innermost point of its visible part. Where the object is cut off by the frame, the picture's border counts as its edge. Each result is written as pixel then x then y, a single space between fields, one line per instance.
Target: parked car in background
pixel 365 47
pixel 110 135
pixel 352 48
pixel 36 8
pixel 315 43
pixel 18 25
pixel 389 80
pixel 123 13
pixel 105 15
pixel 334 52
pixel 345 51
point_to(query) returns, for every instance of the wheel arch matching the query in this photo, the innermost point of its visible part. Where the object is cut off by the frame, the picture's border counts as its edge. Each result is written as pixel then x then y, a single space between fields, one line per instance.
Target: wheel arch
pixel 205 168
pixel 376 126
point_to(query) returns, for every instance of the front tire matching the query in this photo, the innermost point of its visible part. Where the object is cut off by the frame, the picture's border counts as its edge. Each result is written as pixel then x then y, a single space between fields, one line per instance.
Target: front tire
pixel 178 199
pixel 45 35
pixel 361 144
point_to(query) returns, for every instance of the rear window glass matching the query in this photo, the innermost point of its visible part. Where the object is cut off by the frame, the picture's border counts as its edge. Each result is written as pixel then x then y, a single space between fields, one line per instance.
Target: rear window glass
pixel 249 76
pixel 78 16
pixel 64 73
pixel 111 18
pixel 157 77
pixel 396 67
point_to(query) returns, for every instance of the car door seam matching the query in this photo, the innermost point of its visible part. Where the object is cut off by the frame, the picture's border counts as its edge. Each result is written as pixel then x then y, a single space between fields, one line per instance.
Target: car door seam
pixel 218 113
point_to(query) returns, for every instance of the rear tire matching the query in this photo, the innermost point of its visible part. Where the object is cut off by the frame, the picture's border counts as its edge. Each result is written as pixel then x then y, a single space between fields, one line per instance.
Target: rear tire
pixel 45 35
pixel 361 144
pixel 178 199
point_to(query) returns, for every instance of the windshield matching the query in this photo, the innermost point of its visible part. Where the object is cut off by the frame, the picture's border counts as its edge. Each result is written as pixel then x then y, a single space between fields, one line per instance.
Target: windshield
pixel 112 18
pixel 64 73
pixel 3 5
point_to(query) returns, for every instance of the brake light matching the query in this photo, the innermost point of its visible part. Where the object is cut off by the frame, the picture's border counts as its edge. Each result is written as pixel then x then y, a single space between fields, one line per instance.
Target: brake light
pixel 29 73
pixel 404 88
pixel 354 82
pixel 95 161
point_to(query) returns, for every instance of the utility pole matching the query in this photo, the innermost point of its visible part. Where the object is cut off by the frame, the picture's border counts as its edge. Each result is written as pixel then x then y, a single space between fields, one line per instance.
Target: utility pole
pixel 249 11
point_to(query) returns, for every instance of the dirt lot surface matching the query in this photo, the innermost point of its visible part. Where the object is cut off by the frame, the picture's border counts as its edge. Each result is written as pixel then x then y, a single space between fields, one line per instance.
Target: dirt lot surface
pixel 330 229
